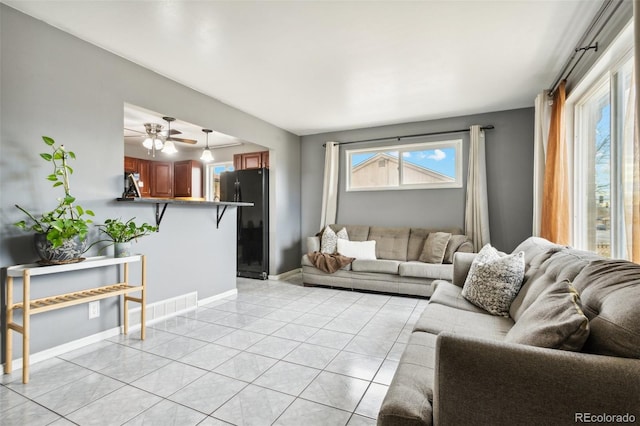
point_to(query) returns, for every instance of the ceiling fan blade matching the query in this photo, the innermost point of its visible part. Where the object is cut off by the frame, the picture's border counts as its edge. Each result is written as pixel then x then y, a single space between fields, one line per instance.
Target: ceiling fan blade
pixel 183 140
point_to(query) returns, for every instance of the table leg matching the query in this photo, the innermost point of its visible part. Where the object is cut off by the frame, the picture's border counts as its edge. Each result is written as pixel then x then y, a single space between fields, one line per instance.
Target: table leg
pixel 126 300
pixel 26 311
pixel 143 296
pixel 8 348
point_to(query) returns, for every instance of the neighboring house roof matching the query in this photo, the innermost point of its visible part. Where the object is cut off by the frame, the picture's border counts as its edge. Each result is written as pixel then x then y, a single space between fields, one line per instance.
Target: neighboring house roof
pixel 431 174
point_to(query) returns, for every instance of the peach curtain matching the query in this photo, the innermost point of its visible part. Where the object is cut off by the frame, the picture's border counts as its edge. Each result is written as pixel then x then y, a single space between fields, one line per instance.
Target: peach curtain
pixel 555 221
pixel 631 152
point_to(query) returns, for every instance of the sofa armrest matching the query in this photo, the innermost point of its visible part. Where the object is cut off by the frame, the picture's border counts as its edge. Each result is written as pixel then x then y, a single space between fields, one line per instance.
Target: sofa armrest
pixel 461 264
pixel 313 244
pixel 489 382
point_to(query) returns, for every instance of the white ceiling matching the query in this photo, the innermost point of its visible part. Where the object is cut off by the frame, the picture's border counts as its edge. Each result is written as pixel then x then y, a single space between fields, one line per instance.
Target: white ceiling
pixel 317 66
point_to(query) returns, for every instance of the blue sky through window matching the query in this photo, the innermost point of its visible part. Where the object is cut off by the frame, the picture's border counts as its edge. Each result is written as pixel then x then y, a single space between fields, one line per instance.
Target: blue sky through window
pixel 441 160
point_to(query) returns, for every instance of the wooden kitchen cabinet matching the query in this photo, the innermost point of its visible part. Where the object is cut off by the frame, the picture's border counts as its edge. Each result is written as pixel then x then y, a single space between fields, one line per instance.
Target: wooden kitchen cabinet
pixel 251 160
pixel 161 178
pixel 141 168
pixel 130 165
pixel 187 179
pixel 144 181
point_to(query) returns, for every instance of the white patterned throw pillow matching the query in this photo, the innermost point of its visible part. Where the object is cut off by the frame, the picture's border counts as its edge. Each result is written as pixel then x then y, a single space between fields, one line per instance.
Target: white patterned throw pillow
pixel 494 280
pixel 329 240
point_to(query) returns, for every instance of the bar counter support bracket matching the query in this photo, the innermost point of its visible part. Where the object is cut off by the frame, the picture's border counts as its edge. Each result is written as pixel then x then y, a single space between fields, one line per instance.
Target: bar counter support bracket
pixel 160 215
pixel 219 215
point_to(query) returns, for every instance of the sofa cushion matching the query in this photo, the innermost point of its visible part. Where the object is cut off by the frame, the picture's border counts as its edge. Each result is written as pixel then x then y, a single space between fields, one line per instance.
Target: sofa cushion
pixel 356 232
pixel 435 247
pixel 408 400
pixel 437 318
pixel 418 236
pixel 391 243
pixel 329 239
pixel 456 243
pixel 494 281
pixel 610 295
pixel 384 266
pixel 357 249
pixel 546 268
pixel 448 294
pixel 426 270
pixel 555 320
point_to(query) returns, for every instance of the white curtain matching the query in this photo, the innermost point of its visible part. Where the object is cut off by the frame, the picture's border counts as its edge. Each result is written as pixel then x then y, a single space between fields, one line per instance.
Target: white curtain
pixel 476 220
pixel 540 138
pixel 330 185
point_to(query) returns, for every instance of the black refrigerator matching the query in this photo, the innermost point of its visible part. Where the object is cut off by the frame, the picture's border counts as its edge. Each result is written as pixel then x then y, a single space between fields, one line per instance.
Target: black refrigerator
pixel 253 222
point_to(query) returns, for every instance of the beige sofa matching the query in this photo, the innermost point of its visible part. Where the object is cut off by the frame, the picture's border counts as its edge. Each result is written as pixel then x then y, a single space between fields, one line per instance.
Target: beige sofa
pixel 396 268
pixel 457 368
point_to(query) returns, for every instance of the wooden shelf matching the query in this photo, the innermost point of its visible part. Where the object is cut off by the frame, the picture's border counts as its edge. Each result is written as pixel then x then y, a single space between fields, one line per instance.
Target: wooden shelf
pixel 166 201
pixel 69 299
pixel 31 307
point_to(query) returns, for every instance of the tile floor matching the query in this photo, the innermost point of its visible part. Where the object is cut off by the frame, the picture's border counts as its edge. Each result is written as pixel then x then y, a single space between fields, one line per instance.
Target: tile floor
pixel 277 353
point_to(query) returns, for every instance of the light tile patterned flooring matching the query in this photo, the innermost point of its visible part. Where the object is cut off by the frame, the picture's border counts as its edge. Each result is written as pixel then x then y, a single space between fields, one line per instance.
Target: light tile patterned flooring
pixel 277 353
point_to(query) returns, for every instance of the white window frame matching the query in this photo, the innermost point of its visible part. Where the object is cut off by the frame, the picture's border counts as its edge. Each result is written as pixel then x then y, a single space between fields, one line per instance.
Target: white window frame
pixel 424 146
pixel 209 175
pixel 603 72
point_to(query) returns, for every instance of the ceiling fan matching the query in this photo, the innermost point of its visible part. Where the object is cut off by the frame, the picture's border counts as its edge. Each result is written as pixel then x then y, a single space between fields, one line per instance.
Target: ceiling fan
pixel 159 139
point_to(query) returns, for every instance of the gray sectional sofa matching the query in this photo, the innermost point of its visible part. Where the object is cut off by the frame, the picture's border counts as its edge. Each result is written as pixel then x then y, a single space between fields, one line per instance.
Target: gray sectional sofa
pixel 459 369
pixel 396 268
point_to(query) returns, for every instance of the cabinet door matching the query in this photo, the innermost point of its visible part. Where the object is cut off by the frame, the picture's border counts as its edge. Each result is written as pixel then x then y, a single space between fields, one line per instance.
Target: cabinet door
pixel 251 160
pixel 264 159
pixel 237 161
pixel 130 165
pixel 161 179
pixel 182 178
pixel 145 178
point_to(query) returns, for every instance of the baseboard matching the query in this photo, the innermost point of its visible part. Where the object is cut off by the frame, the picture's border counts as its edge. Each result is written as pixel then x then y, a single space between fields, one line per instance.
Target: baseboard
pixel 217 297
pixel 66 347
pixel 156 312
pixel 286 275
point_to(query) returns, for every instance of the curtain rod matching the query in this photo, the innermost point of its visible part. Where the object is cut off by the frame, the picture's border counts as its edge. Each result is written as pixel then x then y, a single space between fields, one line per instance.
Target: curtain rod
pixel 580 47
pixel 487 127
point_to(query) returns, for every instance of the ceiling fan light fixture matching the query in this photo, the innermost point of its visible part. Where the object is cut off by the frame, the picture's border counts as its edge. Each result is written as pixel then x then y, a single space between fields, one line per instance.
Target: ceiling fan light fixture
pixel 207 156
pixel 169 148
pixel 148 143
pixel 157 142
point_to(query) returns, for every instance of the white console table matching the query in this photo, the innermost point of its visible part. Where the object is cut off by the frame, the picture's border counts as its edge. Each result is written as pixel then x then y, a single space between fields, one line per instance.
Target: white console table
pixel 35 306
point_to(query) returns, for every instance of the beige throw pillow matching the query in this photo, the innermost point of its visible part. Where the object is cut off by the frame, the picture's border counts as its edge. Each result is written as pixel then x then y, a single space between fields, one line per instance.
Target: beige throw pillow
pixel 435 247
pixel 554 320
pixel 452 246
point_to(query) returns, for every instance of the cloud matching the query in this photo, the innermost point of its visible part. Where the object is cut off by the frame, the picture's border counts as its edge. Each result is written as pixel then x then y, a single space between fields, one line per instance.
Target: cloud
pixel 437 155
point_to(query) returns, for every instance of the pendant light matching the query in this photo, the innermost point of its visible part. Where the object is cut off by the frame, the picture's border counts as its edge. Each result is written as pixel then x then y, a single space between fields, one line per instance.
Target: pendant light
pixel 207 156
pixel 169 147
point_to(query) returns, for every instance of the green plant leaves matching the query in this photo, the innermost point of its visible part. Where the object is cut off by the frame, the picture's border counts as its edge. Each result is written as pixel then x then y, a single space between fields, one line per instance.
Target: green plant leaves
pixel 66 220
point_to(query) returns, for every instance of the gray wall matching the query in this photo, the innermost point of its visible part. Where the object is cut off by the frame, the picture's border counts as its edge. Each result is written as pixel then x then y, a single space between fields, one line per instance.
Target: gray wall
pixel 57 85
pixel 509 179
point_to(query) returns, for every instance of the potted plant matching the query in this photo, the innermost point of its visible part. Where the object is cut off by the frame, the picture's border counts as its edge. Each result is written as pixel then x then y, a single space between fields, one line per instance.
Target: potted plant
pixel 122 233
pixel 61 234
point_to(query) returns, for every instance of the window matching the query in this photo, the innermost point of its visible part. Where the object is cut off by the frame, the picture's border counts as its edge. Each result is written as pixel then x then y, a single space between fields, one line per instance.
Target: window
pixel 599 146
pixel 415 166
pixel 212 179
